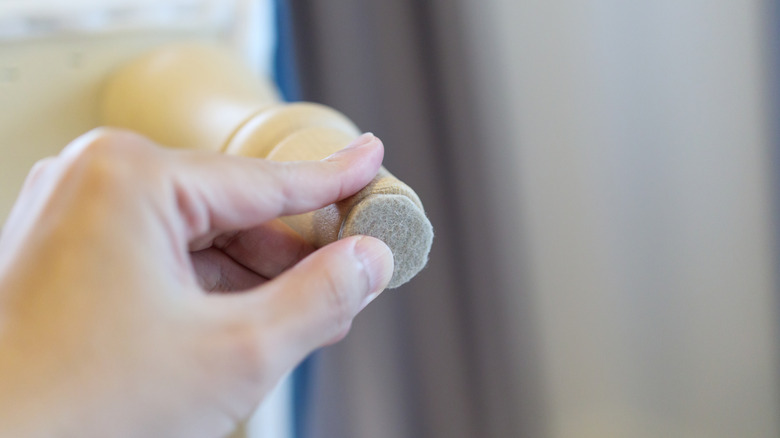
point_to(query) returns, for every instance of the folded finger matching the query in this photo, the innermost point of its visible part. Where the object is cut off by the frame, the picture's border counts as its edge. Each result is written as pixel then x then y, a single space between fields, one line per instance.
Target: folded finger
pixel 268 249
pixel 215 271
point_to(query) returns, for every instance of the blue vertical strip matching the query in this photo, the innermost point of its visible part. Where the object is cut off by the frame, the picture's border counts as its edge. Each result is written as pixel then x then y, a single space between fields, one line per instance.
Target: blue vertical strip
pixel 302 386
pixel 288 81
pixel 285 65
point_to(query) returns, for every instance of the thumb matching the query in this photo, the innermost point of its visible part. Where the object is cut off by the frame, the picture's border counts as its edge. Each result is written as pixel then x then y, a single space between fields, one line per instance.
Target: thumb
pixel 313 303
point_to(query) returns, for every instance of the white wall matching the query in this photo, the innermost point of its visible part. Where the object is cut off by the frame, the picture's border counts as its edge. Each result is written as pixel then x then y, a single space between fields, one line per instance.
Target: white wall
pixel 629 142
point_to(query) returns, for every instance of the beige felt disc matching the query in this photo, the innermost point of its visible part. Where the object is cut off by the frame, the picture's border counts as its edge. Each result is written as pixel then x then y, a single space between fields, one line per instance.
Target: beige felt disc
pixel 398 222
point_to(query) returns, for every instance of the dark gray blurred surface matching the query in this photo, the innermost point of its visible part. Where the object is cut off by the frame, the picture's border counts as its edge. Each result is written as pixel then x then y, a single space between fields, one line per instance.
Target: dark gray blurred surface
pixel 426 360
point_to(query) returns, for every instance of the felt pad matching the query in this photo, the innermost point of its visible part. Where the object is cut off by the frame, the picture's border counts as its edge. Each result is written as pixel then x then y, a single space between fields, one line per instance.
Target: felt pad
pixel 398 222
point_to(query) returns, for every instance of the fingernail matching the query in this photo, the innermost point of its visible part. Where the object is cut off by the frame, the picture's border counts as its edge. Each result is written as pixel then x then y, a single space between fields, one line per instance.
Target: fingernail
pixel 363 140
pixel 377 260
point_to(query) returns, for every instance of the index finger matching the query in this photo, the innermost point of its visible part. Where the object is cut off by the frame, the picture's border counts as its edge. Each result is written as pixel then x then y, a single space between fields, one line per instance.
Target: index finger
pixel 219 192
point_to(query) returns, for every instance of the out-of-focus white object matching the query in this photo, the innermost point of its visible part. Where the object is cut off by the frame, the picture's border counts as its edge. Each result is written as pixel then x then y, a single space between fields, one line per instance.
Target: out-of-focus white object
pixel 54 56
pixel 25 19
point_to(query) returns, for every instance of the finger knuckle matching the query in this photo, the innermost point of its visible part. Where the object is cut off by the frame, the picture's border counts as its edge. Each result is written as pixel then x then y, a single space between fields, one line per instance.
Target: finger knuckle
pixel 338 301
pixel 109 154
pixel 280 175
pixel 252 352
pixel 42 164
pixel 340 335
pixel 40 167
pixel 111 144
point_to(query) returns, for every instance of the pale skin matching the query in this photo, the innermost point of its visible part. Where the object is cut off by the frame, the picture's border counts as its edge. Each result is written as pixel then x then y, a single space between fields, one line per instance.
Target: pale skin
pixel 107 323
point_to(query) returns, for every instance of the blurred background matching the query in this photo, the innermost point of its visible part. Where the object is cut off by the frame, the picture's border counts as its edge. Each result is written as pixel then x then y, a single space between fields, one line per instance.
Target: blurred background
pixel 603 182
pixel 600 175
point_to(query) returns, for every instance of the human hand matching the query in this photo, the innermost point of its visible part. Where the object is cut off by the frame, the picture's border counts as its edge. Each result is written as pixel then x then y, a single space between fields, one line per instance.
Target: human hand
pixel 106 328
